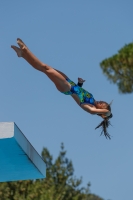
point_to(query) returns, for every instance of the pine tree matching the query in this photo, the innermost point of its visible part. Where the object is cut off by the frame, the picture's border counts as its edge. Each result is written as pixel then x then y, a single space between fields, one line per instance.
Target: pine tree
pixel 119 68
pixel 60 183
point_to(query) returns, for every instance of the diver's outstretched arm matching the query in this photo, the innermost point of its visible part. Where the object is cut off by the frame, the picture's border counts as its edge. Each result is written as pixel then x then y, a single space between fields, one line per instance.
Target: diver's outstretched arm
pixel 93 110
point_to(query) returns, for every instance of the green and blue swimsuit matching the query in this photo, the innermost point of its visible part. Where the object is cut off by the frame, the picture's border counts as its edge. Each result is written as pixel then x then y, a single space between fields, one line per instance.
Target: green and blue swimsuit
pixel 84 96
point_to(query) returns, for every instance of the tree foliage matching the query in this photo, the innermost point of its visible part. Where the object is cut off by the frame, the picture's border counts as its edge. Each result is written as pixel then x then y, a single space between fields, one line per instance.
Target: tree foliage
pixel 119 68
pixel 60 183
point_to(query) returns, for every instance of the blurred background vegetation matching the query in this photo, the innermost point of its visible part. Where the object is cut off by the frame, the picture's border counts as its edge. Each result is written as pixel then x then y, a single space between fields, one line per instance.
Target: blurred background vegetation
pixel 60 183
pixel 119 68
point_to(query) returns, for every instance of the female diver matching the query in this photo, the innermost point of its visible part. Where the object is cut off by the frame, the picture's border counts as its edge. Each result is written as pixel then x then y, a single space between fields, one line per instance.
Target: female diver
pixel 83 98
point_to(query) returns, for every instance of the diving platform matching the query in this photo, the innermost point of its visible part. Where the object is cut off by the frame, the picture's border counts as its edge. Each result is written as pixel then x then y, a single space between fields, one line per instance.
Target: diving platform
pixel 18 158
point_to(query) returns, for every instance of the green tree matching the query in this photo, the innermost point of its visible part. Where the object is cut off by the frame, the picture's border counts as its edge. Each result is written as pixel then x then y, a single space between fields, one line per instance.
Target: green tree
pixel 60 183
pixel 119 68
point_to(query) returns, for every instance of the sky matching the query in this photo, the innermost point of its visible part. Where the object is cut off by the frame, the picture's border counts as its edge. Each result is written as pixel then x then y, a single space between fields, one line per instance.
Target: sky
pixel 73 37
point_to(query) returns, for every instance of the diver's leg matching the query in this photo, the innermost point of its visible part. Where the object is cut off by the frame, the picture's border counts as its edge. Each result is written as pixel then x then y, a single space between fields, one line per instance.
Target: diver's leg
pixel 56 76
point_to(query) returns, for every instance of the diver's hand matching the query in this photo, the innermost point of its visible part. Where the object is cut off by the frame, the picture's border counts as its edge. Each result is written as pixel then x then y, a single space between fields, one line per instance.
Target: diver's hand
pixel 80 80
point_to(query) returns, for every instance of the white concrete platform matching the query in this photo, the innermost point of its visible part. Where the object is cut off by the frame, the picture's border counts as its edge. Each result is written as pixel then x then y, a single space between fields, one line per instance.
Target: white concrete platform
pixel 18 158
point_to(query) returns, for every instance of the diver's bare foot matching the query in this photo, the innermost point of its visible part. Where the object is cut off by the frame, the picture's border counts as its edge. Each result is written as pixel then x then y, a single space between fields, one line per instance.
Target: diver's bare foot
pixel 17 50
pixel 21 44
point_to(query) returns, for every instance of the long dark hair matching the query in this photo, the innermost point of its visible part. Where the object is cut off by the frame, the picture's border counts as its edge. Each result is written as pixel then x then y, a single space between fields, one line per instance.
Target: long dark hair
pixel 105 123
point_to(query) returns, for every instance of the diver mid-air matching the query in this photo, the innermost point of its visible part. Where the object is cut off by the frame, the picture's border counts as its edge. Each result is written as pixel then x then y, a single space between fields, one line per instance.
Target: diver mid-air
pixel 83 98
